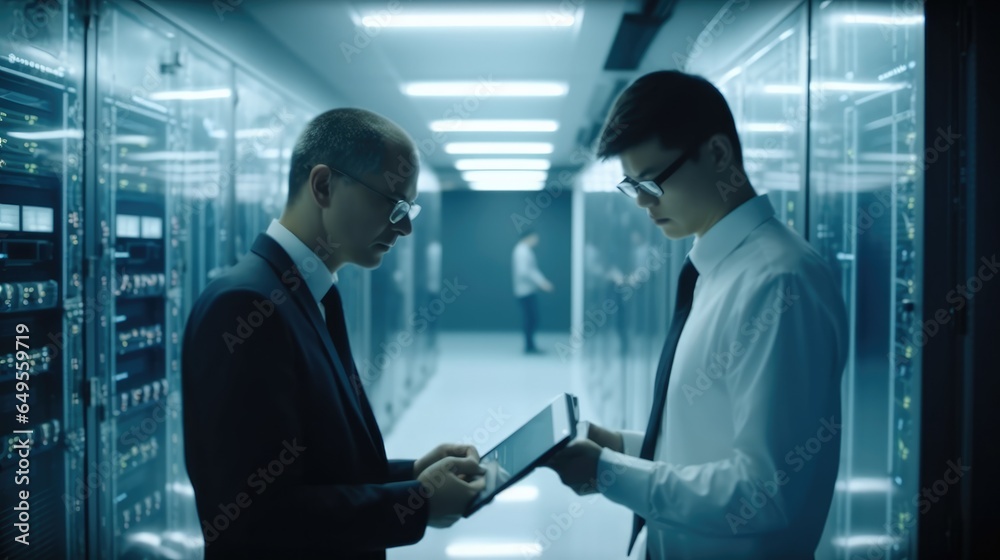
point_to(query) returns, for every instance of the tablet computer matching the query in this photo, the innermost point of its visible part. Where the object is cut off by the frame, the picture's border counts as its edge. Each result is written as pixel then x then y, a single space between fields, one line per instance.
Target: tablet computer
pixel 531 445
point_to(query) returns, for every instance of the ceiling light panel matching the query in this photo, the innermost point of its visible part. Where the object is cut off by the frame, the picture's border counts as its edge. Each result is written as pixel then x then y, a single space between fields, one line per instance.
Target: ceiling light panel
pixel 549 19
pixel 485 88
pixel 477 164
pixel 498 148
pixel 498 176
pixel 486 125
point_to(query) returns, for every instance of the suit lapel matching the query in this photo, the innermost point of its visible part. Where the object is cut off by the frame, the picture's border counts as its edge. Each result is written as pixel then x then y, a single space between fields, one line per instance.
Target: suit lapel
pixel 271 251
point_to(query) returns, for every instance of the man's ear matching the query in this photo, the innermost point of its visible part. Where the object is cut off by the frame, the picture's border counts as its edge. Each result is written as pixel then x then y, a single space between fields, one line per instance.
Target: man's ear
pixel 321 185
pixel 720 149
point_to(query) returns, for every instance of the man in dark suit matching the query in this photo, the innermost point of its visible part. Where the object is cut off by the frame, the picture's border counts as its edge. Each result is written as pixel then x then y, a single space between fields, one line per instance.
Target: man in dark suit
pixel 281 445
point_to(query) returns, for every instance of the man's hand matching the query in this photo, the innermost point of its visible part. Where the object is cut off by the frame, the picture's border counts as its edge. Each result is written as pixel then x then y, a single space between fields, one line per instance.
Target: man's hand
pixel 447 491
pixel 577 466
pixel 442 451
pixel 606 438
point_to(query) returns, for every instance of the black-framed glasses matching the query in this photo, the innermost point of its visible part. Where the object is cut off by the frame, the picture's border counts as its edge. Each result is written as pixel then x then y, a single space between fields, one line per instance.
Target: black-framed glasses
pixel 631 187
pixel 401 209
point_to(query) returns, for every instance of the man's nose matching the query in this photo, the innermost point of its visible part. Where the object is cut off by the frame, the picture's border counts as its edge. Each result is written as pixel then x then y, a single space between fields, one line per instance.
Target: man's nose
pixel 646 200
pixel 404 226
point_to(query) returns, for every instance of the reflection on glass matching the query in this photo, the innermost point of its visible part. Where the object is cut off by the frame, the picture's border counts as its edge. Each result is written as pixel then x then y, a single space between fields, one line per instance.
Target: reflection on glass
pixel 866 140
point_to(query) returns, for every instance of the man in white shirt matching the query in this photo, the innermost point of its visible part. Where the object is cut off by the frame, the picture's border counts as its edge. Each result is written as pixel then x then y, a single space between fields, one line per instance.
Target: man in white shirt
pixel 527 281
pixel 740 456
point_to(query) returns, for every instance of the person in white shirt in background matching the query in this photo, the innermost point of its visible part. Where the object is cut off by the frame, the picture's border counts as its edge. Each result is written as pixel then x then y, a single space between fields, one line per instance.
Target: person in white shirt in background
pixel 740 455
pixel 527 281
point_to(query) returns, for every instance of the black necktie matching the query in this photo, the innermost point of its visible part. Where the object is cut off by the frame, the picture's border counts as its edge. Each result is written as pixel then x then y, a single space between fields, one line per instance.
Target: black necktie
pixel 334 308
pixel 685 294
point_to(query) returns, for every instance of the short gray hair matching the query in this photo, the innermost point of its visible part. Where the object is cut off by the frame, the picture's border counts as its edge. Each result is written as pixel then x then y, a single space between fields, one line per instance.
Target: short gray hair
pixel 351 140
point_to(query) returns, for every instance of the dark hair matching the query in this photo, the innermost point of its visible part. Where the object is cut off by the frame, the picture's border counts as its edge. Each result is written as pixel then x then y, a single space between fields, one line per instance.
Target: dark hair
pixel 526 233
pixel 351 140
pixel 681 109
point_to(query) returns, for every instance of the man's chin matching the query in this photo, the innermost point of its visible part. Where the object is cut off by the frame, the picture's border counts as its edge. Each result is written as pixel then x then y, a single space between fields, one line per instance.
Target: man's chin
pixel 669 229
pixel 371 259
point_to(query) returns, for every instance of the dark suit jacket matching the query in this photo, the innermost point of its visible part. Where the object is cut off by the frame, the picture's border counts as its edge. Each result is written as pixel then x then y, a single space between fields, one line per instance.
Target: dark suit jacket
pixel 286 459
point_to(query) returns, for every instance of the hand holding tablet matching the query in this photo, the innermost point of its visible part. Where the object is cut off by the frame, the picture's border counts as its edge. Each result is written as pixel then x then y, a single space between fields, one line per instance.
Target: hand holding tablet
pixel 530 446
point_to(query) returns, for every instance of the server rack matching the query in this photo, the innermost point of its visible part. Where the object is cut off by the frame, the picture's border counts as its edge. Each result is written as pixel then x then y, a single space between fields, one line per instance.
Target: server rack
pixel 42 304
pixel 866 164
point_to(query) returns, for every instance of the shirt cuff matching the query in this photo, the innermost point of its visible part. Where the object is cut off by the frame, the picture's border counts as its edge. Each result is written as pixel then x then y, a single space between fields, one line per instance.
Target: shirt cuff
pixel 632 442
pixel 625 480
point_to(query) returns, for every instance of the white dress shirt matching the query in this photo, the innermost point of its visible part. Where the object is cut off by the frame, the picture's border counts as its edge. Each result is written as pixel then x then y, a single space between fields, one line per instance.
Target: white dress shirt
pixel 313 271
pixel 527 277
pixel 748 451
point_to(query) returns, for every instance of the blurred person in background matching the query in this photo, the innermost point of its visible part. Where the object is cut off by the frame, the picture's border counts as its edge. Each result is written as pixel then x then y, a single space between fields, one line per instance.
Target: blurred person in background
pixel 528 279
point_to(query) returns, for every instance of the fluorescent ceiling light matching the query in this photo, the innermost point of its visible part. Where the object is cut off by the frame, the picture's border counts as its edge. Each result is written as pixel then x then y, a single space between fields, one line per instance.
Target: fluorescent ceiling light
pixel 485 89
pixel 730 75
pixel 863 485
pixel 498 176
pixel 857 86
pixel 242 133
pixel 486 125
pixel 855 541
pixel 767 127
pixel 883 20
pixel 192 95
pixel 48 134
pixel 474 164
pixel 533 19
pixel 790 89
pixel 494 550
pixel 172 156
pixel 507 185
pixel 498 148
pixel 518 494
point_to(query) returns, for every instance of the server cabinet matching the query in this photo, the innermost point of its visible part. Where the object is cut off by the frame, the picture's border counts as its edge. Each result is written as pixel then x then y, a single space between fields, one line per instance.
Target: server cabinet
pixel 42 304
pixel 159 153
pixel 866 169
pixel 766 91
pixel 628 269
pixel 266 129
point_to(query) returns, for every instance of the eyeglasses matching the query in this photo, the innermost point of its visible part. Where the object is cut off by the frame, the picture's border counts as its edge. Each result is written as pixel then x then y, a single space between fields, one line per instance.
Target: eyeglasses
pixel 401 209
pixel 631 187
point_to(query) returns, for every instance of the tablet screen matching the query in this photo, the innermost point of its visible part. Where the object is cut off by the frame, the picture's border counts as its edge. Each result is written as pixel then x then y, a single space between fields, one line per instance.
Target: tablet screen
pixel 517 454
pixel 518 451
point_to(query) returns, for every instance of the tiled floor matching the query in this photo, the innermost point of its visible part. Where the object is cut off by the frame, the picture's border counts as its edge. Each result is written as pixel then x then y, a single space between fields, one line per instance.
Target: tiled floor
pixel 482 377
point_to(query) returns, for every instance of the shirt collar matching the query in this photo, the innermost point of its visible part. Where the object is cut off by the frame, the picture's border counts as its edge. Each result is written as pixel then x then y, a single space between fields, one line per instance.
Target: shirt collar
pixel 310 267
pixel 729 232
